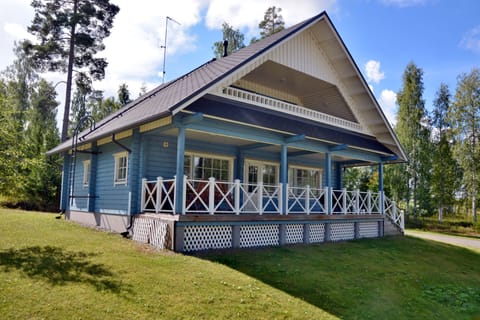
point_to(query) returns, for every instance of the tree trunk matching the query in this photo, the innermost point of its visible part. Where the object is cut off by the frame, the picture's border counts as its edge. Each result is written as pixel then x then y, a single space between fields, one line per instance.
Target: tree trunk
pixel 474 205
pixel 440 212
pixel 68 90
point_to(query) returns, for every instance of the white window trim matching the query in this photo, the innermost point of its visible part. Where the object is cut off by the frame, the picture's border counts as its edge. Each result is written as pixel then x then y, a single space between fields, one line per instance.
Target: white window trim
pixel 212 156
pixel 86 173
pixel 117 156
pixel 320 171
pixel 249 161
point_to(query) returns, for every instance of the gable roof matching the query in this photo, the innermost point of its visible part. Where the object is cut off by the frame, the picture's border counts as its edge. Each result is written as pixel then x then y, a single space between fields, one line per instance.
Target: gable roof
pixel 175 95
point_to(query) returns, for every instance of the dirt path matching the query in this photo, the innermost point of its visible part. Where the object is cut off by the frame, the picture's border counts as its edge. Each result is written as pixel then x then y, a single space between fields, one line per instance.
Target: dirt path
pixel 465 242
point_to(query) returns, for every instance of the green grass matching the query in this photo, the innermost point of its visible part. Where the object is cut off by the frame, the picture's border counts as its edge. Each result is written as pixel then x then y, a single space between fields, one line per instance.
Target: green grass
pixel 53 269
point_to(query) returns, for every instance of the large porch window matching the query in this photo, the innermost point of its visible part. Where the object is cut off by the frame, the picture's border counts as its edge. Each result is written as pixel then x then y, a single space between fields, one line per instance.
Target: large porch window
pixel 202 167
pixel 300 177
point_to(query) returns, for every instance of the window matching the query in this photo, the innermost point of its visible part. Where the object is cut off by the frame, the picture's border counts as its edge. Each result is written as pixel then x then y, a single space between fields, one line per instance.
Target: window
pixel 202 167
pixel 301 177
pixel 86 173
pixel 121 168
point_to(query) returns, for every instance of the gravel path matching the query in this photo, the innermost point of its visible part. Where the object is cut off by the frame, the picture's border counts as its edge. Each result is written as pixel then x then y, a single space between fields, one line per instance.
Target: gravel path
pixel 465 242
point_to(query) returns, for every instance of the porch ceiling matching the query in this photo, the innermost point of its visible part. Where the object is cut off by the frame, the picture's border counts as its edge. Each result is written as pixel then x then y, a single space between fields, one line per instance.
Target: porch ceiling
pixel 208 138
pixel 311 92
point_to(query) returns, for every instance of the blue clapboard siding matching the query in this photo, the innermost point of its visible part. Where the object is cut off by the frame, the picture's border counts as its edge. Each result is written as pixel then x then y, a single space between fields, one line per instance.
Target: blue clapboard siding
pixel 160 156
pixel 154 155
pixel 160 152
pixel 111 198
pixel 80 192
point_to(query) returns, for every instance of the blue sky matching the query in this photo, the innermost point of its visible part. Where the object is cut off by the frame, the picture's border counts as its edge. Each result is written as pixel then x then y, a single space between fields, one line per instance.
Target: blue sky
pixel 383 36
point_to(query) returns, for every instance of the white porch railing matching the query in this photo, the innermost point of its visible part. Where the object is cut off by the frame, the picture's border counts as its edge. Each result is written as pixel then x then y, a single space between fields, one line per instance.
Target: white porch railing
pixel 213 197
pixel 394 214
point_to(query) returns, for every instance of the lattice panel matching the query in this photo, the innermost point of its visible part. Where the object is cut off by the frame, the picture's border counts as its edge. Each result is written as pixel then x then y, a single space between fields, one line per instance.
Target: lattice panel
pixel 317 233
pixel 151 231
pixel 159 234
pixel 368 230
pixel 207 237
pixel 259 235
pixel 342 231
pixel 141 229
pixel 294 233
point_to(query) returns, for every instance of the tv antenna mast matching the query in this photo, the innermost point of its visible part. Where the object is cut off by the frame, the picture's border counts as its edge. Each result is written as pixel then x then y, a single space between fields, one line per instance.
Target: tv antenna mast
pixel 164 47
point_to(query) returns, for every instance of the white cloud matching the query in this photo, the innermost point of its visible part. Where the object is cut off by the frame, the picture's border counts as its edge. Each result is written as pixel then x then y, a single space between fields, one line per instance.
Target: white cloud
pixel 372 68
pixel 247 14
pixel 388 102
pixel 471 40
pixel 17 31
pixel 133 50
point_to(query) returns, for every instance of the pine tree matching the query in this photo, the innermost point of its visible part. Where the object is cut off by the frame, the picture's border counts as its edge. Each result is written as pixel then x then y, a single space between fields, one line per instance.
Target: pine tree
pixel 444 167
pixel 234 37
pixel 272 22
pixel 70 34
pixel 465 120
pixel 123 95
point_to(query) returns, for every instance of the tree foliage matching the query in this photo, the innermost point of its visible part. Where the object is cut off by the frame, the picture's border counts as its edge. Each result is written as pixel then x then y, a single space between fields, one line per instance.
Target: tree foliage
pixel 414 135
pixel 444 167
pixel 70 33
pixel 272 22
pixel 27 112
pixel 123 95
pixel 465 121
pixel 234 37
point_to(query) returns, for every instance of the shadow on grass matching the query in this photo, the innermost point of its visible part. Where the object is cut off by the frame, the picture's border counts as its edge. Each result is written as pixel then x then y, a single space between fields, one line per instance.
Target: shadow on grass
pixel 59 267
pixel 369 279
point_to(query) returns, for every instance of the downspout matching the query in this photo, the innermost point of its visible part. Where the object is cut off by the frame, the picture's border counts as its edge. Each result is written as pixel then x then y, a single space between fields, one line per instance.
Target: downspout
pixel 119 144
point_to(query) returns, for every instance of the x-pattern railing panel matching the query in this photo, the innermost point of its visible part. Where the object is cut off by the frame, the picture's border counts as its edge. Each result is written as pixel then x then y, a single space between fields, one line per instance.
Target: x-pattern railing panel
pixel 213 196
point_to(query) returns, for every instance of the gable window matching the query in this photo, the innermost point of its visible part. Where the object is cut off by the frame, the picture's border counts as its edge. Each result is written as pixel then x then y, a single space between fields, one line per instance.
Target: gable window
pixel 300 177
pixel 86 173
pixel 202 167
pixel 121 168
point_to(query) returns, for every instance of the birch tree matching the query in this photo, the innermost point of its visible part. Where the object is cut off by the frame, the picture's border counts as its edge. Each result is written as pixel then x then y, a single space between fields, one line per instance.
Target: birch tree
pixel 465 118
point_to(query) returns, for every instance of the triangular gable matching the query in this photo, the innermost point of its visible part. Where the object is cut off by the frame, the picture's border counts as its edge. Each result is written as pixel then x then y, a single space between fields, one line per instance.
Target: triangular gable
pixel 311 37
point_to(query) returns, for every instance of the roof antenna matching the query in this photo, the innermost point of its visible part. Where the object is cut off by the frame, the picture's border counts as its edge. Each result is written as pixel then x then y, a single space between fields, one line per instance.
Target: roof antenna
pixel 164 47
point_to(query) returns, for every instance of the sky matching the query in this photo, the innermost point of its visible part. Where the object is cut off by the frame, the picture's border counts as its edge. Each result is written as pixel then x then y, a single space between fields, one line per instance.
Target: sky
pixel 441 37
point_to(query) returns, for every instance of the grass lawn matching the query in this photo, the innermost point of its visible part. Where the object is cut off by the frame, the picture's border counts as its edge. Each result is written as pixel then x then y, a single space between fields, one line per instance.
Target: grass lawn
pixel 53 269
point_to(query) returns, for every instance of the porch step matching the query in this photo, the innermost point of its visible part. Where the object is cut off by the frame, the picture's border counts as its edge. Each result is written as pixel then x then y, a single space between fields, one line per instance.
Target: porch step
pixel 390 229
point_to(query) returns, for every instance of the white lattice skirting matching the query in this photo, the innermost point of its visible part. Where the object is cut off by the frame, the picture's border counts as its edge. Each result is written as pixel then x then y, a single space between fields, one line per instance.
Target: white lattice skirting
pixel 317 233
pixel 342 231
pixel 207 237
pixel 294 233
pixel 259 235
pixel 368 230
pixel 151 231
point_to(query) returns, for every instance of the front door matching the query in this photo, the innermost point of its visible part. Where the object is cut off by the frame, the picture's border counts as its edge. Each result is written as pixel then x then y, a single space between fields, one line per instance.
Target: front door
pixel 259 173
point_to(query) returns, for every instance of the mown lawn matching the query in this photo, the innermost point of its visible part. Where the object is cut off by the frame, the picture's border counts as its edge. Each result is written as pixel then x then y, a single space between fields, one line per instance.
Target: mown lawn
pixel 53 269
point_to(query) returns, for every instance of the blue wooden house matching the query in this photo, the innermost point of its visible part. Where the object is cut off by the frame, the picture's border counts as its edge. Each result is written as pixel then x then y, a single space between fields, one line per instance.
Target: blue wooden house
pixel 245 150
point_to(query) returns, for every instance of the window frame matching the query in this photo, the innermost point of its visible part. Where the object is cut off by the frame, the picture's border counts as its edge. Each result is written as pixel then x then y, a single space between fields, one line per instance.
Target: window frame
pixel 292 176
pixel 86 173
pixel 191 171
pixel 116 171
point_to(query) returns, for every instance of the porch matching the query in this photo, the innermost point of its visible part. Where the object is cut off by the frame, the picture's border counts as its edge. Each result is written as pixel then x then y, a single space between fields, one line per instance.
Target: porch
pixel 216 215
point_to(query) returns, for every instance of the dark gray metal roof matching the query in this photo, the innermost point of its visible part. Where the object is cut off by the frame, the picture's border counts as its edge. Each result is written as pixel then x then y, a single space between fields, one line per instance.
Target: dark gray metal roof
pixel 164 99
